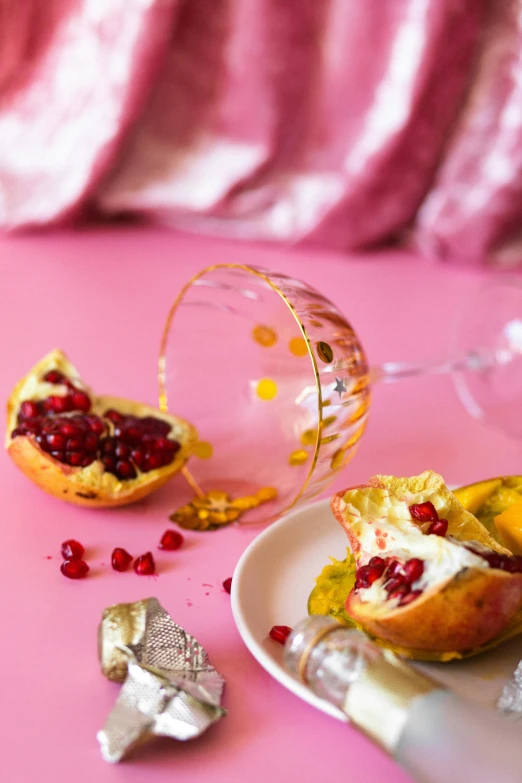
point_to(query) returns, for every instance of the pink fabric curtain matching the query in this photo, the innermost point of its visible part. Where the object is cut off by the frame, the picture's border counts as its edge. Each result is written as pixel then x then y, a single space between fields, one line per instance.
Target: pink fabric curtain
pixel 339 123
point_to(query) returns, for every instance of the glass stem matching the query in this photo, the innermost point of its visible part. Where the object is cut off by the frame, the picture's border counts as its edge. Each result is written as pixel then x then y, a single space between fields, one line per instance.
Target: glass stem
pixel 391 372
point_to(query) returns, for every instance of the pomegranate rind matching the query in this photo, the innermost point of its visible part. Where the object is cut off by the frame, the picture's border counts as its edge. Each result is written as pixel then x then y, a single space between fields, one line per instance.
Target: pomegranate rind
pixel 418 489
pixel 462 613
pixel 91 486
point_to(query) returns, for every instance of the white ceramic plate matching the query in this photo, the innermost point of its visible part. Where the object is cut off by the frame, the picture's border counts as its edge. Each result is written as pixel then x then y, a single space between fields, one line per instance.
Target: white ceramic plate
pixel 274 578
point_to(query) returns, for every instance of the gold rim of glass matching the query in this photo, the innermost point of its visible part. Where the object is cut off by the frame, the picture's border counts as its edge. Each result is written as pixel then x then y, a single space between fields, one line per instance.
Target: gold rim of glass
pixel 162 362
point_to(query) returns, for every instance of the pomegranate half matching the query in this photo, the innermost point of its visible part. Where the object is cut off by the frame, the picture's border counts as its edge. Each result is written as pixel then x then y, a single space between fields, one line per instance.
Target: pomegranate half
pixel 429 575
pixel 88 450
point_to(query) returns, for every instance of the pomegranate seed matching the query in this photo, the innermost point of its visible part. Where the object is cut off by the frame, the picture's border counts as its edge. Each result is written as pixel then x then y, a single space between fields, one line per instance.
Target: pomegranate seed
pixel 394 567
pixel 170 540
pixel 73 444
pixel 439 527
pixel 58 404
pixel 413 569
pixel 74 569
pixel 54 376
pixel 95 424
pixel 125 470
pixel 424 512
pixel 163 444
pixel 109 463
pixel 91 441
pixel 28 409
pixel 113 416
pixel 367 575
pixel 122 450
pixel 401 592
pixel 138 457
pixel 144 565
pixel 132 435
pixel 152 462
pixel 393 584
pixel 74 458
pixel 409 597
pixel 56 441
pixel 59 455
pixel 495 560
pixel 120 559
pixel 108 445
pixel 280 633
pixel 72 549
pixel 81 401
pixel 30 425
pixel 88 460
pixel 158 426
pixel 377 561
pixel 68 428
pixel 227 587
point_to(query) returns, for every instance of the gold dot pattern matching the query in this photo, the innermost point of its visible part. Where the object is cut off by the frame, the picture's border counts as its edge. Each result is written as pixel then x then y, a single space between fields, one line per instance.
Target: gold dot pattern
pixel 298 457
pixel 324 352
pixel 266 389
pixel 298 346
pixel 309 437
pixel 264 335
pixel 329 420
pixel 338 459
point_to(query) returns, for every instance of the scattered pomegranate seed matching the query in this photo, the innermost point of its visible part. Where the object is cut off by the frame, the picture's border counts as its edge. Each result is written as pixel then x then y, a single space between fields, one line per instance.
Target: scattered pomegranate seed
pixel 74 568
pixel 72 549
pixel 439 527
pixel 377 561
pixel 280 633
pixel 120 559
pixel 144 565
pixel 227 587
pixel 424 512
pixel 170 540
pixel 413 569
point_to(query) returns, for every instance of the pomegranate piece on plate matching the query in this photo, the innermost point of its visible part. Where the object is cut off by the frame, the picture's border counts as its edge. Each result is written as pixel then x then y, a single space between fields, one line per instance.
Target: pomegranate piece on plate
pixel 89 450
pixel 429 575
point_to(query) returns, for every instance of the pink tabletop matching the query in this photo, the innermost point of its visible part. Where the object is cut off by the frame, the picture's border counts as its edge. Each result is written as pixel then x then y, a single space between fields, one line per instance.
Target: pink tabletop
pixel 102 296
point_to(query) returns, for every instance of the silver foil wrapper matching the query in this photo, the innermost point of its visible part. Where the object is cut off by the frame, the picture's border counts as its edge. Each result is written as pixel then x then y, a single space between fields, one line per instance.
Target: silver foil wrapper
pixel 169 687
pixel 510 701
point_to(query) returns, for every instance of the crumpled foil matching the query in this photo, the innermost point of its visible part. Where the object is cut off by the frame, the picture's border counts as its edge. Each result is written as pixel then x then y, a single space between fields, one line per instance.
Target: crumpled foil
pixel 169 687
pixel 510 701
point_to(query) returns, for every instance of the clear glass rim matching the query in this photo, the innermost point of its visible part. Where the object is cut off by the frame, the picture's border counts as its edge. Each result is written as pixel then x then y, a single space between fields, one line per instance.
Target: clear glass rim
pixel 265 276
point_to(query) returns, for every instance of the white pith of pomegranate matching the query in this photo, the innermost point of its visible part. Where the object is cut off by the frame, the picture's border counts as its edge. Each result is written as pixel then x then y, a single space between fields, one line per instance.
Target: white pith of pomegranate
pixel 59 417
pixel 399 560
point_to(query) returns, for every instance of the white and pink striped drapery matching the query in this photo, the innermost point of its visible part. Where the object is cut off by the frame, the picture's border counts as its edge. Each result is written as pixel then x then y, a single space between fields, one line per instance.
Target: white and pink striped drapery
pixel 338 123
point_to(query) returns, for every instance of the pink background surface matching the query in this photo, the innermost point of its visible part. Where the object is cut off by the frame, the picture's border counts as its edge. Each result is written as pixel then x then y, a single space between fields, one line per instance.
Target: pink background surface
pixel 103 296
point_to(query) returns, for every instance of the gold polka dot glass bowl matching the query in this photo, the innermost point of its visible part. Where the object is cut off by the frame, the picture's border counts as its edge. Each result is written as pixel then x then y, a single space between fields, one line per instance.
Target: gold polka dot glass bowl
pixel 274 379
